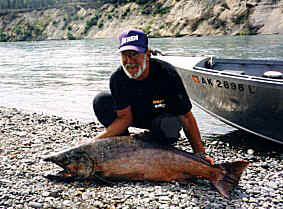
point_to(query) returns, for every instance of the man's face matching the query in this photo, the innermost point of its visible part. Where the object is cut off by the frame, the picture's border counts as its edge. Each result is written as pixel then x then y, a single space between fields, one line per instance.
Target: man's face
pixel 132 61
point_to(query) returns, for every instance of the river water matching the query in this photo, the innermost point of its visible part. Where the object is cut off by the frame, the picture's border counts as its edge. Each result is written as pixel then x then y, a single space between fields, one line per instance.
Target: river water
pixel 62 77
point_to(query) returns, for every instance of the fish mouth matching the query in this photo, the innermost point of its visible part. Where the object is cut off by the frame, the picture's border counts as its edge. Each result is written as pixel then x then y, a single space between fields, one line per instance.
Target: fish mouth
pixel 58 160
pixel 65 177
pixel 61 176
pixel 46 158
pixel 49 158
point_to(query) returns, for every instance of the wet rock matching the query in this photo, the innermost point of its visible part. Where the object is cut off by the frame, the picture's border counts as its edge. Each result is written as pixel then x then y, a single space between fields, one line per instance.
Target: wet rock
pixel 35 205
pixel 250 151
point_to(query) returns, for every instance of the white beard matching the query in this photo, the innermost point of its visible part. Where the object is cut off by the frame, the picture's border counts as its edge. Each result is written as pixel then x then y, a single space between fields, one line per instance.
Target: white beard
pixel 140 70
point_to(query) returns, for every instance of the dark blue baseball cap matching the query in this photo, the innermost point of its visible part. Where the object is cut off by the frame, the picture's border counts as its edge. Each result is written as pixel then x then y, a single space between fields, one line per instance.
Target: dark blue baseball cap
pixel 133 40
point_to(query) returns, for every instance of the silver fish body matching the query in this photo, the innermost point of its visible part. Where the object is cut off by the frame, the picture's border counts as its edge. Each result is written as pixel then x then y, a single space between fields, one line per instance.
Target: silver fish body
pixel 138 158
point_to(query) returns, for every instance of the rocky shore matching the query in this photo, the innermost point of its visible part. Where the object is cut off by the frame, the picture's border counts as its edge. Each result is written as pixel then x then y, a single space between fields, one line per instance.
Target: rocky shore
pixel 25 138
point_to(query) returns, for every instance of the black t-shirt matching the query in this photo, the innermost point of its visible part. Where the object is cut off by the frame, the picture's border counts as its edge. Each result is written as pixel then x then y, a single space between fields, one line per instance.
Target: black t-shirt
pixel 161 92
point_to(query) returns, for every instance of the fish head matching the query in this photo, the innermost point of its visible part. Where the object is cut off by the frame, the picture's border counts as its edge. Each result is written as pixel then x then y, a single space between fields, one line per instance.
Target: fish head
pixel 75 163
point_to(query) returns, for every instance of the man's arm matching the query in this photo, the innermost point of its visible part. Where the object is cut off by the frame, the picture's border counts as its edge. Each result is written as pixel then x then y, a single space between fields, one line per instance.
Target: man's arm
pixel 120 124
pixel 193 134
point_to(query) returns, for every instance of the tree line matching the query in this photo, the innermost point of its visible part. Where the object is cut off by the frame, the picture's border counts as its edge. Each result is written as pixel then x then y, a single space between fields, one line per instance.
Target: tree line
pixel 26 4
pixel 41 4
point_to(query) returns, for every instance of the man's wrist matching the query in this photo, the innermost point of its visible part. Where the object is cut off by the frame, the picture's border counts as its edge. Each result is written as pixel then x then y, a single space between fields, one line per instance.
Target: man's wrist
pixel 199 150
pixel 201 154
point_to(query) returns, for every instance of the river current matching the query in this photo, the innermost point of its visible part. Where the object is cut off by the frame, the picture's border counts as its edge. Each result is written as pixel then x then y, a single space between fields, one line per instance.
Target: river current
pixel 62 77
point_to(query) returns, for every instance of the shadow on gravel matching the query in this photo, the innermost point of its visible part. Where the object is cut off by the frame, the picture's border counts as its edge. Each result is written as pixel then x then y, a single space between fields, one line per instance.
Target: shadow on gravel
pixel 193 187
pixel 242 140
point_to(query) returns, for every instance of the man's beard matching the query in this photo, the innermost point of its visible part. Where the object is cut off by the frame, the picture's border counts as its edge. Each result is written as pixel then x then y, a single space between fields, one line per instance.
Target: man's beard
pixel 140 69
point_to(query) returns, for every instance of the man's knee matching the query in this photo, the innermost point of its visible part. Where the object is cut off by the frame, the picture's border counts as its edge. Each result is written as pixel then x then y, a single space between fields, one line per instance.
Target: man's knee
pixel 167 128
pixel 100 100
pixel 104 109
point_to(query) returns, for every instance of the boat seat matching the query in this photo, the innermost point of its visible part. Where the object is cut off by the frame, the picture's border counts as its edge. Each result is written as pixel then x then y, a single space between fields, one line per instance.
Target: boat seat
pixel 273 74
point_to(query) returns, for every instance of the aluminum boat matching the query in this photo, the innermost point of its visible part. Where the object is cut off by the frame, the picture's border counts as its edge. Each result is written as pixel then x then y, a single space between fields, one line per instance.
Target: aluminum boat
pixel 246 94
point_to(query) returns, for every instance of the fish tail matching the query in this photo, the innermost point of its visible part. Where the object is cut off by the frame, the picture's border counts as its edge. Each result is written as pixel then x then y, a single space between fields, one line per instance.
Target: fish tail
pixel 226 182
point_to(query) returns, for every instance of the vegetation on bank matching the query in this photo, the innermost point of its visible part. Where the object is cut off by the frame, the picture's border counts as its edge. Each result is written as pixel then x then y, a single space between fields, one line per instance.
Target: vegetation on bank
pixel 3 36
pixel 26 30
pixel 79 19
pixel 41 4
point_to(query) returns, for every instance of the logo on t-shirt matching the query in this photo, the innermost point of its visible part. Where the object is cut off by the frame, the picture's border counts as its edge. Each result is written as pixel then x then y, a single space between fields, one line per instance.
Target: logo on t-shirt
pixel 159 104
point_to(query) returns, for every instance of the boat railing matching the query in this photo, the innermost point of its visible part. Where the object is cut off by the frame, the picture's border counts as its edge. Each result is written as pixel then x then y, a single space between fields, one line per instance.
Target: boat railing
pixel 249 62
pixel 238 75
pixel 206 69
pixel 279 81
pixel 262 70
pixel 223 72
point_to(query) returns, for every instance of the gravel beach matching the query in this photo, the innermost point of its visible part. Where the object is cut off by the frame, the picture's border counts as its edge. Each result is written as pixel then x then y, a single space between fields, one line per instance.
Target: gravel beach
pixel 26 137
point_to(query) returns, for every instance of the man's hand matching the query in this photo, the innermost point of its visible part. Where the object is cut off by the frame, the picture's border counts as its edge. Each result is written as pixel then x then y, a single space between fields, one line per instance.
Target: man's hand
pixel 209 159
pixel 205 157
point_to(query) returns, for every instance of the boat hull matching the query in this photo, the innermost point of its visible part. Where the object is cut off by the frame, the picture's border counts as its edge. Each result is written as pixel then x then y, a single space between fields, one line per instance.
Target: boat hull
pixel 249 103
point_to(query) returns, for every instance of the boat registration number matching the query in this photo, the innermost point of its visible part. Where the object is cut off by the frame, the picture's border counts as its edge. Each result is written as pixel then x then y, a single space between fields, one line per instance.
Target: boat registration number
pixel 222 84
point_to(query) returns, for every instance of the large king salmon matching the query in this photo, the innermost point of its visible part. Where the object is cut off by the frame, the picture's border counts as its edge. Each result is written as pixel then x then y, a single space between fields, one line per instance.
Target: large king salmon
pixel 138 158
